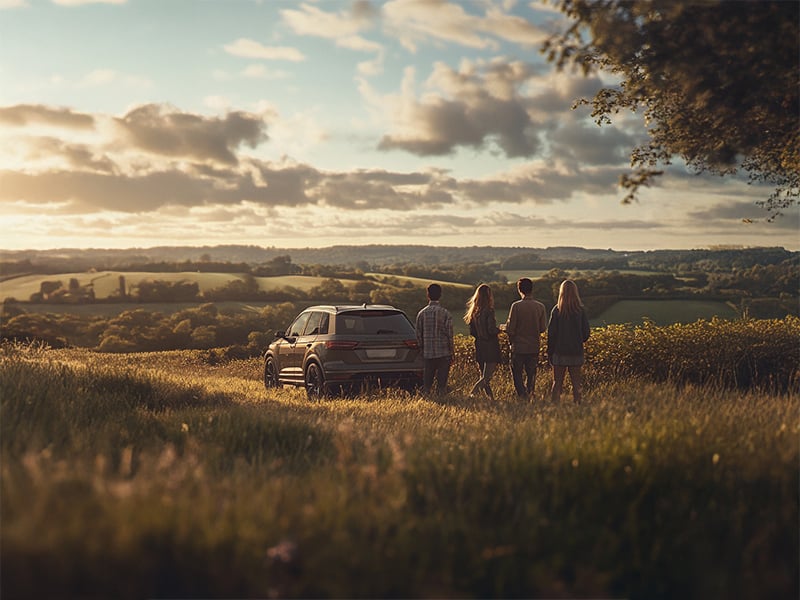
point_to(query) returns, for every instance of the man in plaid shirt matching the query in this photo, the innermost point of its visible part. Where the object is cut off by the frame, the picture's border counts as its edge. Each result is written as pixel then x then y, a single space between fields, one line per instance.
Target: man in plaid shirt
pixel 435 337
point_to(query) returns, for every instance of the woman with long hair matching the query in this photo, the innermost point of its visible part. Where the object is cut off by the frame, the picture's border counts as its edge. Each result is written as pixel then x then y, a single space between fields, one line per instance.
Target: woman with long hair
pixel 567 331
pixel 483 327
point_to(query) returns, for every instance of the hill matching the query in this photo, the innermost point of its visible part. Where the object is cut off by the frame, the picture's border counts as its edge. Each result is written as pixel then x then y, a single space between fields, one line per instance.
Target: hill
pixel 375 255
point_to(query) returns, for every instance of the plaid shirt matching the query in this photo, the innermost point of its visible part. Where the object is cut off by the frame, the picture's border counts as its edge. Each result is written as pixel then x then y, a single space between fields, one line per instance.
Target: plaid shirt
pixel 435 331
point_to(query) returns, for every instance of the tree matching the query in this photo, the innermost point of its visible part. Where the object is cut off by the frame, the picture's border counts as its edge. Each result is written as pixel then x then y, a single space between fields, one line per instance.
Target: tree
pixel 717 81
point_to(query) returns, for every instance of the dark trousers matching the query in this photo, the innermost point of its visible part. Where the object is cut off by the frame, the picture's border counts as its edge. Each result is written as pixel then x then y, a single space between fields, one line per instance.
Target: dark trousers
pixel 523 364
pixel 436 369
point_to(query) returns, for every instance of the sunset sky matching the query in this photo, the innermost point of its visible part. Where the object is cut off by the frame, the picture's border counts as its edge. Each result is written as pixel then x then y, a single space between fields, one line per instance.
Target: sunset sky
pixel 136 123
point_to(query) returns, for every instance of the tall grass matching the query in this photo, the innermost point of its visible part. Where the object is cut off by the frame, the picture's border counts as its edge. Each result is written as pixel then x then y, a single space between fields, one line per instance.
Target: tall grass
pixel 158 475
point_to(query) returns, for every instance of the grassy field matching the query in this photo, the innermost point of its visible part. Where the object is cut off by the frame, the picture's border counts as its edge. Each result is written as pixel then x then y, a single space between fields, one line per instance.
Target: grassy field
pixel 161 475
pixel 106 283
pixel 420 282
pixel 513 275
pixel 664 312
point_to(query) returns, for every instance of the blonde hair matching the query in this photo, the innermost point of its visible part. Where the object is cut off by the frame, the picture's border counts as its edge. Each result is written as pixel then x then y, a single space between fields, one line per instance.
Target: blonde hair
pixel 481 300
pixel 569 301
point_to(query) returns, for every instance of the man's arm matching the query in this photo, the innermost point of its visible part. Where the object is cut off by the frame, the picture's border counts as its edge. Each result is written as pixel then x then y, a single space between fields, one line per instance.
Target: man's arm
pixel 542 320
pixel 511 324
pixel 419 328
pixel 449 325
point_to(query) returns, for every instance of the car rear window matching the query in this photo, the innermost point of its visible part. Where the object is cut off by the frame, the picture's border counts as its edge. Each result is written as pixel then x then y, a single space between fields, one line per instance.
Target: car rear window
pixel 373 322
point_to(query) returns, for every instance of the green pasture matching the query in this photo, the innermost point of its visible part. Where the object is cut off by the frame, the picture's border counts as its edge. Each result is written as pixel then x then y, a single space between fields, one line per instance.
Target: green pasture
pixel 512 275
pixel 112 309
pixel 664 312
pixel 106 283
pixel 417 281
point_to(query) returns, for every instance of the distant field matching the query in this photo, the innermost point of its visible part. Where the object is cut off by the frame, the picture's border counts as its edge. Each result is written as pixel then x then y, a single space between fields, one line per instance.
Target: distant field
pixel 420 281
pixel 513 275
pixel 107 282
pixel 115 308
pixel 664 312
pixel 529 273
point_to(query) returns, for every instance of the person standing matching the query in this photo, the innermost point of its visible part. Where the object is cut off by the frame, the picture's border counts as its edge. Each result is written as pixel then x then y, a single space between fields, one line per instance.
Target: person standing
pixel 527 320
pixel 435 337
pixel 483 327
pixel 566 333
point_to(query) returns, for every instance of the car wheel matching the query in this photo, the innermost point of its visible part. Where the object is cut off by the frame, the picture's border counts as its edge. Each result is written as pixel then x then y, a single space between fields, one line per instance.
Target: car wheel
pixel 315 382
pixel 270 373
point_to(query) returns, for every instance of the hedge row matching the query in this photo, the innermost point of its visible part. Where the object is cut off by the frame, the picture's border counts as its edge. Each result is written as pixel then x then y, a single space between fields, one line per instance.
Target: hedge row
pixel 748 353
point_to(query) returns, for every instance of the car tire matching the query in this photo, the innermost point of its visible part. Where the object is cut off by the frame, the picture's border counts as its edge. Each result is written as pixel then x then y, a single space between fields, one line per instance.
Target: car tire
pixel 315 382
pixel 270 373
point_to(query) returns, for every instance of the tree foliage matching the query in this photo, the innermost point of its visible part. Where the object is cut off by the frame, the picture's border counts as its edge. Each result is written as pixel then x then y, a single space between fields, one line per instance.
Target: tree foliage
pixel 717 81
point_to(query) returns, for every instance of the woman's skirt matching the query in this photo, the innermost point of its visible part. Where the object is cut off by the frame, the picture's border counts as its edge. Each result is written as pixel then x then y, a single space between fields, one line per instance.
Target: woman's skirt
pixel 488 351
pixel 567 360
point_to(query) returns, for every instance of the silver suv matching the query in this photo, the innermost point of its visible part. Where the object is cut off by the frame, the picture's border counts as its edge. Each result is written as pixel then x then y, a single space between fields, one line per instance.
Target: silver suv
pixel 334 349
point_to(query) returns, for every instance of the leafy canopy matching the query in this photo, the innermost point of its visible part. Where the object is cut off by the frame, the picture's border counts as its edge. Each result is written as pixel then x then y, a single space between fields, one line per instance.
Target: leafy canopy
pixel 717 81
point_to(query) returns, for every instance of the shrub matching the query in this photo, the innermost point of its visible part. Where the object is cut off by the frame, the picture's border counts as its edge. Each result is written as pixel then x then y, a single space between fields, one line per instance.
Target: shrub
pixel 742 353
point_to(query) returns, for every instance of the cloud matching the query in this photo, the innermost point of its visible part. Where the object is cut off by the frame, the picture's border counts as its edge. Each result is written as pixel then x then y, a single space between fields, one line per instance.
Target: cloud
pixel 77 156
pixel 168 132
pixel 310 20
pixel 590 144
pixel 7 4
pixel 247 48
pixel 343 28
pixel 413 22
pixel 158 160
pixel 473 106
pixel 745 212
pixel 268 184
pixel 22 115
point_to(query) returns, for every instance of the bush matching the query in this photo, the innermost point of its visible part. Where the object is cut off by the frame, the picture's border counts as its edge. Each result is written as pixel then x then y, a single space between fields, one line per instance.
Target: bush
pixel 742 353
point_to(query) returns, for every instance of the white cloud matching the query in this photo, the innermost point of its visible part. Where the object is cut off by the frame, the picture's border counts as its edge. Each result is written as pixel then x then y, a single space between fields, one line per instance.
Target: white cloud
pixel 247 48
pixel 310 20
pixel 414 22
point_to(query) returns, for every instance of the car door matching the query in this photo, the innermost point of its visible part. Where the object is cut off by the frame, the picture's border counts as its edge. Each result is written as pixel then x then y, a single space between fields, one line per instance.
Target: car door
pixel 291 359
pixel 311 331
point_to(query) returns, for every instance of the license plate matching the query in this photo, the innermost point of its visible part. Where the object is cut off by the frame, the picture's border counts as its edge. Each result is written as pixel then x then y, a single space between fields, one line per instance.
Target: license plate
pixel 381 353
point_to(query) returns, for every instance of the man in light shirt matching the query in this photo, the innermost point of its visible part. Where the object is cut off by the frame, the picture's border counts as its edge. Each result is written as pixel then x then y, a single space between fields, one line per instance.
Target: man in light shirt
pixel 527 319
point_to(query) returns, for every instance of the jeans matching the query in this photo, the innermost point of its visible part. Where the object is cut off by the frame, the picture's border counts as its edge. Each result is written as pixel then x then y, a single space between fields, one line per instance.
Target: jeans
pixel 438 369
pixel 523 363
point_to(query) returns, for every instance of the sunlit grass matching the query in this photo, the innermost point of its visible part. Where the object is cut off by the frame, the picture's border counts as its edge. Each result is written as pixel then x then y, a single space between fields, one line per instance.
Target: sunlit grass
pixel 159 475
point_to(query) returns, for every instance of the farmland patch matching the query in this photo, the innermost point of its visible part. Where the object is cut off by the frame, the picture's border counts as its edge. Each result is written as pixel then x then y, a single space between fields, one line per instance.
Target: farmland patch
pixel 664 312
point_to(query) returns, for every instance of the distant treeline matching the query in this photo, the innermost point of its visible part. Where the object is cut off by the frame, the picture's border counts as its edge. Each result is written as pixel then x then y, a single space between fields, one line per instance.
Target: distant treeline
pixel 280 261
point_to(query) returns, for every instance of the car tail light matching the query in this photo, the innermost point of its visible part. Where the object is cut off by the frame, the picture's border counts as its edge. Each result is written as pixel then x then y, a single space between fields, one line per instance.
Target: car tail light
pixel 412 344
pixel 340 345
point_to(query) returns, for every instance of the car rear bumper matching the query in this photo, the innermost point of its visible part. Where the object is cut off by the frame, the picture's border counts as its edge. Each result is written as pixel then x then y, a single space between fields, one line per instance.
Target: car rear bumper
pixel 389 378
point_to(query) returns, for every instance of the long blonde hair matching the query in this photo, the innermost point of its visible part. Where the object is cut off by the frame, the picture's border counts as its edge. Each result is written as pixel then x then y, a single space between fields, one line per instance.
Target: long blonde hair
pixel 569 301
pixel 481 300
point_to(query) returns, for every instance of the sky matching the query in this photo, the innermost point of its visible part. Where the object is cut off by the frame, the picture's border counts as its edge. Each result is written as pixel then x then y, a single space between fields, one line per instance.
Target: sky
pixel 140 123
